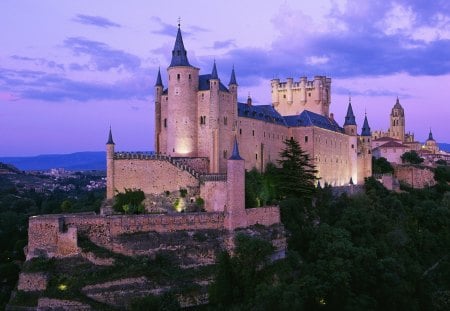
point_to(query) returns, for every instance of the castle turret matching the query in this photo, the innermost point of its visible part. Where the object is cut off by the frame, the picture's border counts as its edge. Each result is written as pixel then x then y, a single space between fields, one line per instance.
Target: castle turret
pixel 289 91
pixel 214 117
pixel 158 93
pixel 397 128
pixel 365 152
pixel 235 216
pixel 110 166
pixel 350 129
pixel 350 122
pixel 275 94
pixel 431 144
pixel 182 103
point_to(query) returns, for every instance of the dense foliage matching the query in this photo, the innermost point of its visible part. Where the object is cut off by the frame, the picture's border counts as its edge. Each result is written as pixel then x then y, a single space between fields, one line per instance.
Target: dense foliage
pixel 17 203
pixel 377 250
pixel 129 202
pixel 381 166
pixel 411 157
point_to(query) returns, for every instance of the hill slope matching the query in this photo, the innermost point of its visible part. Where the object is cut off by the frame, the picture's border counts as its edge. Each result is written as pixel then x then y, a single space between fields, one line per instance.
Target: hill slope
pixel 95 160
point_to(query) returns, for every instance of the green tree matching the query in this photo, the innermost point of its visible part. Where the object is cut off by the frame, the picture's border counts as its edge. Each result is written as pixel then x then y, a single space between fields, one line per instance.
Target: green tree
pixel 129 202
pixel 297 174
pixel 381 166
pixel 411 157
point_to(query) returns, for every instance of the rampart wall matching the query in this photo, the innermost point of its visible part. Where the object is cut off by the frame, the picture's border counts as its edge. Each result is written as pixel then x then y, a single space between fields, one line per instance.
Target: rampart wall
pixel 153 176
pixel 265 216
pixel 214 192
pixel 416 177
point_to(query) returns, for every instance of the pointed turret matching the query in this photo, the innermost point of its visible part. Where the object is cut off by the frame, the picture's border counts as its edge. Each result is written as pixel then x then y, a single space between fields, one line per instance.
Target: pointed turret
pixel 430 135
pixel 233 78
pixel 179 53
pixel 158 79
pixel 235 155
pixel 350 117
pixel 110 138
pixel 214 74
pixel 366 128
pixel 397 104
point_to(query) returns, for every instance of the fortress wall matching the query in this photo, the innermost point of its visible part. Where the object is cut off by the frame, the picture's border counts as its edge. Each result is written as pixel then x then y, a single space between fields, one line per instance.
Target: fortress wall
pixel 120 224
pixel 260 142
pixel 200 165
pixel 263 215
pixel 42 235
pixel 416 177
pixel 215 195
pixel 329 151
pixel 151 176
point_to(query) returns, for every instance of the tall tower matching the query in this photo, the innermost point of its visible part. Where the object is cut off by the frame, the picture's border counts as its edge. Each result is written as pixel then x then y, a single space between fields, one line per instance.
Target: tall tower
pixel 365 152
pixel 235 216
pixel 350 122
pixel 397 128
pixel 110 166
pixel 182 103
pixel 350 129
pixel 158 93
pixel 214 116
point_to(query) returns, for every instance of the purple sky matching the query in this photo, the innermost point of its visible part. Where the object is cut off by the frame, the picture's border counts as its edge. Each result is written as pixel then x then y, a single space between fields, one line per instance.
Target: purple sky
pixel 69 69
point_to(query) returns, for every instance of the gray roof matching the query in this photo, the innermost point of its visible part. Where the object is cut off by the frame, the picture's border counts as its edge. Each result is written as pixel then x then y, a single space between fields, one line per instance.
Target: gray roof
pixel 179 53
pixel 203 83
pixel 308 118
pixel 214 74
pixel 366 128
pixel 235 155
pixel 158 79
pixel 350 117
pixel 110 139
pixel 233 78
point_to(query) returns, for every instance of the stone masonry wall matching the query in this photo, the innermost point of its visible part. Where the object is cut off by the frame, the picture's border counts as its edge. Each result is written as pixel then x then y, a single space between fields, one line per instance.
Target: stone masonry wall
pixel 151 176
pixel 215 195
pixel 265 216
pixel 200 165
pixel 416 177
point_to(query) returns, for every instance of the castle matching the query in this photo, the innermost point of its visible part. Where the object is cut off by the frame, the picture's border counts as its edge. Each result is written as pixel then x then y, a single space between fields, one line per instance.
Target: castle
pixel 197 119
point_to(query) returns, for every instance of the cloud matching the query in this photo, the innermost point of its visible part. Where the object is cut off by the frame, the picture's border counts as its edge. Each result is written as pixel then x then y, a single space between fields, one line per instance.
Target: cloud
pixel 354 39
pixel 39 61
pixel 95 21
pixel 101 55
pixel 224 44
pixel 38 85
pixel 165 29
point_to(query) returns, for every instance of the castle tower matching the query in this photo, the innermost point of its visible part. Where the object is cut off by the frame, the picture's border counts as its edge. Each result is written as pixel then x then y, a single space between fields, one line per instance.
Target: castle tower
pixel 275 94
pixel 158 93
pixel 214 115
pixel 350 122
pixel 350 129
pixel 431 144
pixel 182 103
pixel 110 166
pixel 235 216
pixel 365 152
pixel 397 127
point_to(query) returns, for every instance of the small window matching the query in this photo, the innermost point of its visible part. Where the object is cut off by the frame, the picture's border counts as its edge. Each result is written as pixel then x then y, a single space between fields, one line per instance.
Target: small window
pixel 165 122
pixel 306 139
pixel 225 154
pixel 353 146
pixel 309 94
pixel 240 131
pixel 178 76
pixel 253 132
pixel 189 76
pixel 284 95
pixel 225 120
pixel 256 156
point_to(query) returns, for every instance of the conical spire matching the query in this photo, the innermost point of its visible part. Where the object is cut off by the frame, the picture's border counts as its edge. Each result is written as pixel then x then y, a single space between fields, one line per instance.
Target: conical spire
pixel 110 138
pixel 366 128
pixel 179 53
pixel 397 104
pixel 430 135
pixel 235 155
pixel 233 78
pixel 214 74
pixel 350 117
pixel 158 79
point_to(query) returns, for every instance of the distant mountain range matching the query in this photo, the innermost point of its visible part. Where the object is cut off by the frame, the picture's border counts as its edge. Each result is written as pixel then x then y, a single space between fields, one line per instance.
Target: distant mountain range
pixel 79 161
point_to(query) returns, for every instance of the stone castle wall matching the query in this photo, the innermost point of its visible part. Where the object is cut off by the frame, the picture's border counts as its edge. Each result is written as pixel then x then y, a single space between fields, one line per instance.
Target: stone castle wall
pixel 153 176
pixel 416 177
pixel 265 216
pixel 200 165
pixel 215 195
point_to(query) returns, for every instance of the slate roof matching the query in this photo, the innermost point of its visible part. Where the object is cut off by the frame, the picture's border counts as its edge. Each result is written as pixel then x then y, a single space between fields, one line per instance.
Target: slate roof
pixel 260 112
pixel 179 53
pixel 232 78
pixel 392 144
pixel 203 83
pixel 308 118
pixel 366 128
pixel 350 117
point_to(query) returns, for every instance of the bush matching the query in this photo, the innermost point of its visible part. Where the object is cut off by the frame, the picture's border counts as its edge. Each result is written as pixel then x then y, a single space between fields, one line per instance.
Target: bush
pixel 129 202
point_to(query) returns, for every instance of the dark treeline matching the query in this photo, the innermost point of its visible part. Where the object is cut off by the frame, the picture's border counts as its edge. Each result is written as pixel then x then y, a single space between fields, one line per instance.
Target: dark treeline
pixel 378 250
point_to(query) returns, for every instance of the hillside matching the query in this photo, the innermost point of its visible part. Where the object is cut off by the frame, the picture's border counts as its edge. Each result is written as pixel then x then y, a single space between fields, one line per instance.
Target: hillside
pixel 94 160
